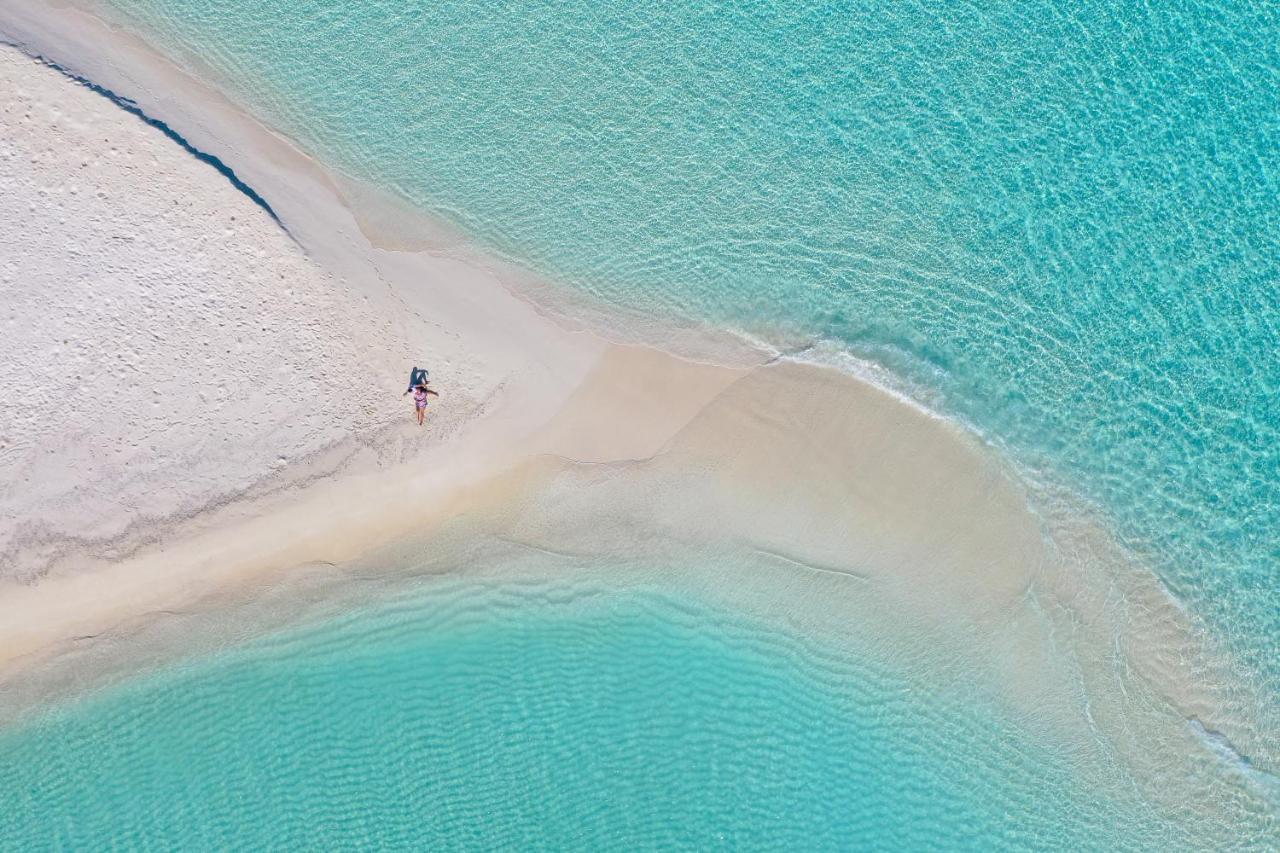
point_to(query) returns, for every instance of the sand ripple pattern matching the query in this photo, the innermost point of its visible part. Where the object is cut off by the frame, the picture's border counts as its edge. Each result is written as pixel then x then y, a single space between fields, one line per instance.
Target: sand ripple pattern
pixel 547 715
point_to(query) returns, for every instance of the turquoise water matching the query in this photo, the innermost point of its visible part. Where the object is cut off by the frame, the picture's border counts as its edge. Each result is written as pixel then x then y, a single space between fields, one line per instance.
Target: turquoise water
pixel 1061 219
pixel 541 716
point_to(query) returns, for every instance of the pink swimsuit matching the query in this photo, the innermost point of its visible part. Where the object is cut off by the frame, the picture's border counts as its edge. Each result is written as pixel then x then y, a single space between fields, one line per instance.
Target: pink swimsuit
pixel 420 399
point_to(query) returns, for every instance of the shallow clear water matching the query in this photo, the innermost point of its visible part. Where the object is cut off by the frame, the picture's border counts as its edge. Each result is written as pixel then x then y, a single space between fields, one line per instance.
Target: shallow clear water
pixel 546 716
pixel 1062 219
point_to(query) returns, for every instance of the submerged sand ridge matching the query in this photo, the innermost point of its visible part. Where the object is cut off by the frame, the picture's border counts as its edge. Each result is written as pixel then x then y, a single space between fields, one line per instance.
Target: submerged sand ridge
pixel 858 518
pixel 166 493
pixel 818 469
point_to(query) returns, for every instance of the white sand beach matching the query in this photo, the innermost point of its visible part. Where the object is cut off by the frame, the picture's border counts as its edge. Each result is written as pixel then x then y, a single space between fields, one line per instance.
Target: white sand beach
pixel 172 351
pixel 197 396
pixel 184 368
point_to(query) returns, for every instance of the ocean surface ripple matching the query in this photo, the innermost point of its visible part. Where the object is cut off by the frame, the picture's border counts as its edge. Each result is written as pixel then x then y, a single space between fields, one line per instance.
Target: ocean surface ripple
pixel 546 715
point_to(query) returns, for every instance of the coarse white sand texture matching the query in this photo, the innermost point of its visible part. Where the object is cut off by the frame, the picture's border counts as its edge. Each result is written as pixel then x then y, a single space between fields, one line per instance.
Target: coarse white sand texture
pixel 166 345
